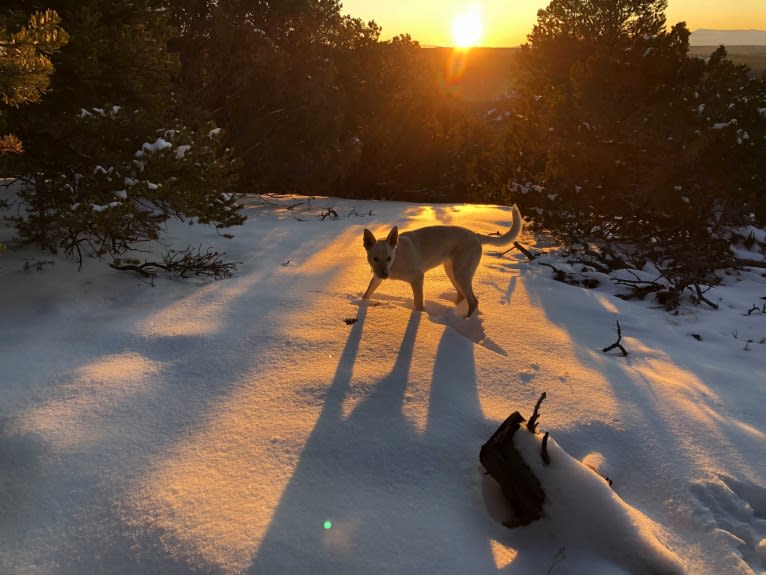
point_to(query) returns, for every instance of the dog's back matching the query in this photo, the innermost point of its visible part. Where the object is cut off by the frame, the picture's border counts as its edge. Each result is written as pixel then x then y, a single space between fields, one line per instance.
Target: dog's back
pixel 426 248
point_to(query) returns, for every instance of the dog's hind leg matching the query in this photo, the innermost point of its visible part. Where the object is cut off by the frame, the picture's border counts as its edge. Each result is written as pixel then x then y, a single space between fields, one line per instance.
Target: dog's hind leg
pixel 473 303
pixel 463 267
pixel 451 275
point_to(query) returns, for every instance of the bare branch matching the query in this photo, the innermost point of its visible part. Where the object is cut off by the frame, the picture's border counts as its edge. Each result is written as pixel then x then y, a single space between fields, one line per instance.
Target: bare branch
pixel 703 298
pixel 617 344
pixel 518 246
pixel 544 450
pixel 183 264
pixel 532 423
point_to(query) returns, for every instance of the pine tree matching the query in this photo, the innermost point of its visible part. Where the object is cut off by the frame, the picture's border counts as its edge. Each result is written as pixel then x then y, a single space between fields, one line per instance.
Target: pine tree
pixel 273 74
pixel 25 65
pixel 110 153
pixel 638 142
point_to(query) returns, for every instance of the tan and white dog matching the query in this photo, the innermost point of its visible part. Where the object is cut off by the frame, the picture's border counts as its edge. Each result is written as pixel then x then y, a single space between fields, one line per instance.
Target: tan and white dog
pixel 408 256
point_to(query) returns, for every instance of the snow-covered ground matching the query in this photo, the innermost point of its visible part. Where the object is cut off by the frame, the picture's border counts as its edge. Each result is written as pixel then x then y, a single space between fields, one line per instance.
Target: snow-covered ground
pixel 250 425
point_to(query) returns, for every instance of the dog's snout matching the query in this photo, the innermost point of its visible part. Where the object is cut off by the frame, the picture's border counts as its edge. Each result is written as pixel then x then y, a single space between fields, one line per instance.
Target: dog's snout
pixel 381 273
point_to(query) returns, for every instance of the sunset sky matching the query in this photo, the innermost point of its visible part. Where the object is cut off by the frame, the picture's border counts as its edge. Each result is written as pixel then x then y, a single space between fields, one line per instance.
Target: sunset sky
pixel 507 22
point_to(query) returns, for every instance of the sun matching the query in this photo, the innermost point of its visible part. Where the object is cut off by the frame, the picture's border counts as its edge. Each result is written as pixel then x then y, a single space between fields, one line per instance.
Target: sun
pixel 467 27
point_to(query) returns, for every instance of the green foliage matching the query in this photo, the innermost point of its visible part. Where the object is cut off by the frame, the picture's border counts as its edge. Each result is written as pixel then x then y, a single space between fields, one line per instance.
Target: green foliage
pixel 598 23
pixel 269 72
pixel 110 154
pixel 108 211
pixel 391 118
pixel 25 65
pixel 632 142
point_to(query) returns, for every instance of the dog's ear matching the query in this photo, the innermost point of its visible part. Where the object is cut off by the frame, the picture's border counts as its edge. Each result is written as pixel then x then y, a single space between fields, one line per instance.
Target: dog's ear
pixel 369 239
pixel 393 237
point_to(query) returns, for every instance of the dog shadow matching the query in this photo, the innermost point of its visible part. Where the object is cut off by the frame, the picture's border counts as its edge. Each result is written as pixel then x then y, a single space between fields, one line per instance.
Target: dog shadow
pixel 451 316
pixel 471 328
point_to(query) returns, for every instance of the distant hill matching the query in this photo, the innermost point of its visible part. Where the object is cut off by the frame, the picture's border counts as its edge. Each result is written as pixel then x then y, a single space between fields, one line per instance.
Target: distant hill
pixel 703 37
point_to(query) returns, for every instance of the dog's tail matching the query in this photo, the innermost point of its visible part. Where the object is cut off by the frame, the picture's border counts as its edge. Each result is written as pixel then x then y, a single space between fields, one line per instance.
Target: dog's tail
pixel 508 236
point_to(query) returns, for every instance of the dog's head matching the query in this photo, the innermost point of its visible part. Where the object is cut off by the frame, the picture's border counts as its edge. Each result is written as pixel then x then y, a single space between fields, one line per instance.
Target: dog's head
pixel 381 253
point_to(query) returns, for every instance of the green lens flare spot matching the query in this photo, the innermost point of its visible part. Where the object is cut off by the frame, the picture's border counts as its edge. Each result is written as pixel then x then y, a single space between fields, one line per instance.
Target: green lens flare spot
pixel 327 524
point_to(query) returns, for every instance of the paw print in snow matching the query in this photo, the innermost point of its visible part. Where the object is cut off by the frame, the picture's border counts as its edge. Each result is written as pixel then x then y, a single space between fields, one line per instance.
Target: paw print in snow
pixel 738 509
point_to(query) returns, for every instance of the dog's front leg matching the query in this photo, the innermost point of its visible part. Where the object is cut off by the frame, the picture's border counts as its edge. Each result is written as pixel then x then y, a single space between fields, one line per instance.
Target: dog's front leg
pixel 417 292
pixel 374 283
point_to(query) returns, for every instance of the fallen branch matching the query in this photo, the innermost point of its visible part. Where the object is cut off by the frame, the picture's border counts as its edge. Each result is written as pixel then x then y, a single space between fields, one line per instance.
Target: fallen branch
pixel 639 288
pixel 701 297
pixel 750 263
pixel 558 274
pixel 522 249
pixel 617 344
pixel 329 212
pixel 183 264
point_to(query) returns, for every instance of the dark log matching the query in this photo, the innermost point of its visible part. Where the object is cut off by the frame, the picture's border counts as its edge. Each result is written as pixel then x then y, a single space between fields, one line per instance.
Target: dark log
pixel 505 464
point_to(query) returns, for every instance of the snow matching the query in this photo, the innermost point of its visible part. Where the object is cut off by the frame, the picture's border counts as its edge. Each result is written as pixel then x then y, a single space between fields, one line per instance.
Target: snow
pixel 181 151
pixel 102 208
pixel 160 144
pixel 275 423
pixel 722 125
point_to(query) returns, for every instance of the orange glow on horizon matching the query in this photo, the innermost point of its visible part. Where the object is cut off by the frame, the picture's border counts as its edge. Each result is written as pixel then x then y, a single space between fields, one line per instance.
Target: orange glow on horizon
pixel 507 24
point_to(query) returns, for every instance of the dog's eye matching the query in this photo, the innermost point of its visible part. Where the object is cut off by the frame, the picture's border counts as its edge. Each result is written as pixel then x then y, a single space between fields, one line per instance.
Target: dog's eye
pixel 389 259
pixel 375 258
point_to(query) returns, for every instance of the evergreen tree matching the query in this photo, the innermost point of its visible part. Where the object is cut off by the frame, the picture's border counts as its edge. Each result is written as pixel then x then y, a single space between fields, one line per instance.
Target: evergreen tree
pixel 638 142
pixel 269 72
pixel 25 65
pixel 25 68
pixel 618 106
pixel 110 153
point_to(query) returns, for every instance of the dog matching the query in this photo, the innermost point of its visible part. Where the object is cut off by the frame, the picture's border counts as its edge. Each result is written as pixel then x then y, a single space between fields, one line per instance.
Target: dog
pixel 408 256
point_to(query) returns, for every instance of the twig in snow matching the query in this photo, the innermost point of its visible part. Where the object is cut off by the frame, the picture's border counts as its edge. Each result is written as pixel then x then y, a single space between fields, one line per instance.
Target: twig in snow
pixel 703 298
pixel 544 450
pixel 558 558
pixel 756 309
pixel 532 423
pixel 518 246
pixel 525 251
pixel 329 212
pixel 617 344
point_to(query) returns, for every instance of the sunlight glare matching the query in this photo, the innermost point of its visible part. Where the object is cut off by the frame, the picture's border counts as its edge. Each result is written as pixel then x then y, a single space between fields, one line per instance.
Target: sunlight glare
pixel 502 555
pixel 467 27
